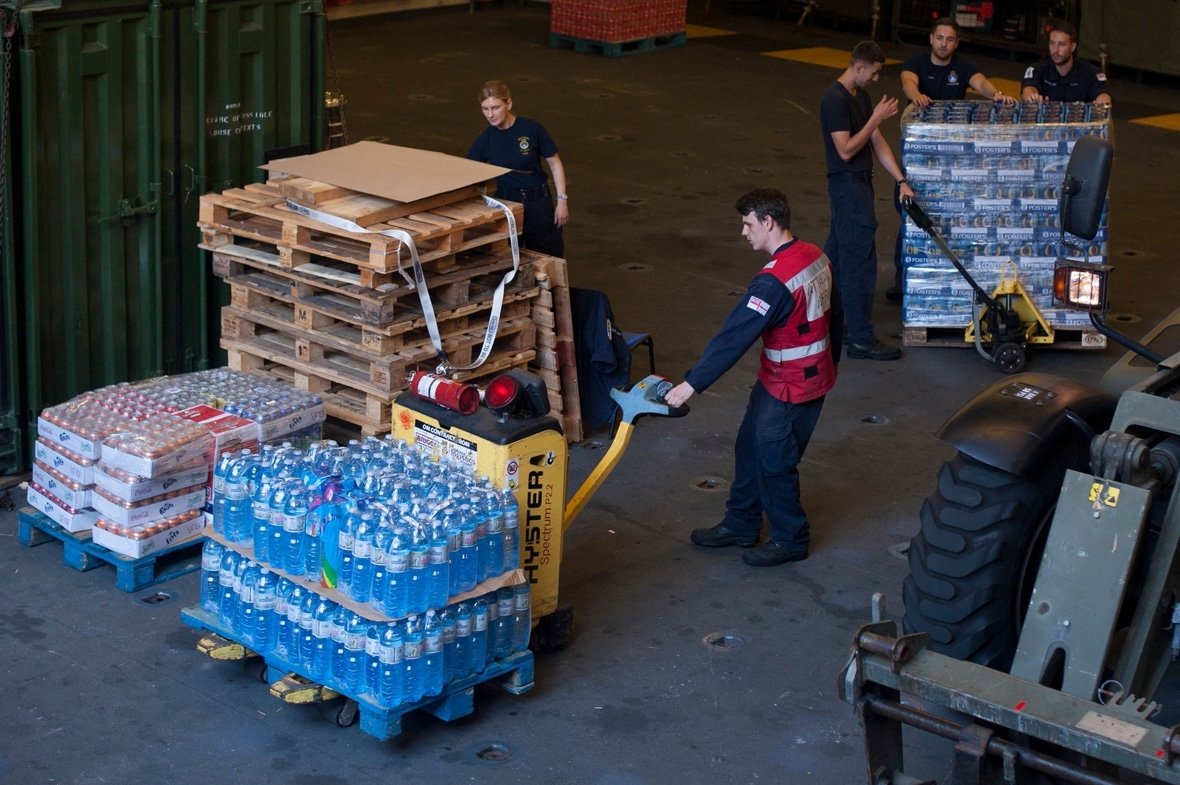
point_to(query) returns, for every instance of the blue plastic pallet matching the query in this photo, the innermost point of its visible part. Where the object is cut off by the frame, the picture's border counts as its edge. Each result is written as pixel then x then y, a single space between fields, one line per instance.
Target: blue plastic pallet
pixel 81 553
pixel 620 48
pixel 514 673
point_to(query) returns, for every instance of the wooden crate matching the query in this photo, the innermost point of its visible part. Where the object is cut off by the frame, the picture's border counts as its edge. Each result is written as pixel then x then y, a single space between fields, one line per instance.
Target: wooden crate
pixel 555 361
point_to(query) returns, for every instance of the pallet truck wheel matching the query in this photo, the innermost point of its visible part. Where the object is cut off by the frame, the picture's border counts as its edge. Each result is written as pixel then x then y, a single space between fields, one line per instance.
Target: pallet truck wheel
pixel 1010 358
pixel 260 671
pixel 347 713
pixel 553 632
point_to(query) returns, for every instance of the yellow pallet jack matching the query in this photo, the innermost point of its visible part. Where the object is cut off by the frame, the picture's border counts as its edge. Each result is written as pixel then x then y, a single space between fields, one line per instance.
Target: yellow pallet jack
pixel 1003 323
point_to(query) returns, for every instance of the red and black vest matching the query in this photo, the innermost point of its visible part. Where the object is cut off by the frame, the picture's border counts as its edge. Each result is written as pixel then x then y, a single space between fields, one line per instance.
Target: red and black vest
pixel 797 361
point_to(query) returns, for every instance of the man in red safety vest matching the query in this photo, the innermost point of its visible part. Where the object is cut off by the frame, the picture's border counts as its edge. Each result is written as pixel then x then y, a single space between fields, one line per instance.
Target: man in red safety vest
pixel 788 305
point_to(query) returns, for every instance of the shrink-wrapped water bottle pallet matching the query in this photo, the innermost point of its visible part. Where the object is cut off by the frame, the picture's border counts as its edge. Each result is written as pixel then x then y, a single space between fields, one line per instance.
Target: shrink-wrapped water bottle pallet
pixel 292 684
pixel 83 554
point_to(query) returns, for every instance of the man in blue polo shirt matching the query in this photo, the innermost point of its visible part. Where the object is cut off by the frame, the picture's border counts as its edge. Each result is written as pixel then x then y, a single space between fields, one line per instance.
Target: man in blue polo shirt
pixel 1063 77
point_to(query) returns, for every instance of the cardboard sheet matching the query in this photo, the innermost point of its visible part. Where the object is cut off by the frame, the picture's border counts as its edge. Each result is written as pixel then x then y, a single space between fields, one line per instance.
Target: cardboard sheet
pixel 403 174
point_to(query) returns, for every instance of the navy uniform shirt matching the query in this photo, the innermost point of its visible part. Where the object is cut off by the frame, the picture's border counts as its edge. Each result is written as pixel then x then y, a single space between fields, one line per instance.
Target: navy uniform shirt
pixel 766 304
pixel 1084 82
pixel 840 110
pixel 520 148
pixel 941 82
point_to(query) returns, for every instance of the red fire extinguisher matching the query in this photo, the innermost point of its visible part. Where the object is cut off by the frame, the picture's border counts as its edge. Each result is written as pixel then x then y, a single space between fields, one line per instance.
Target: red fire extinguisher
pixel 460 397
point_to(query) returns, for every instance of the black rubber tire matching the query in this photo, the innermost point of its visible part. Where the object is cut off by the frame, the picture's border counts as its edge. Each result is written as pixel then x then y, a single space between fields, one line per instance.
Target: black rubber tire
pixel 973 563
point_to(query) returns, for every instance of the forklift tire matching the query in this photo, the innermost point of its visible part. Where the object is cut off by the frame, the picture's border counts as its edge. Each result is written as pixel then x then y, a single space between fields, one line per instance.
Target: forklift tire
pixel 554 631
pixel 974 561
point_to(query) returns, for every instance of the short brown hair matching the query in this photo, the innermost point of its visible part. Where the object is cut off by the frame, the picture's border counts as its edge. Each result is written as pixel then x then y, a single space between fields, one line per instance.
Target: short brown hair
pixel 1063 26
pixel 494 88
pixel 766 201
pixel 946 21
pixel 867 52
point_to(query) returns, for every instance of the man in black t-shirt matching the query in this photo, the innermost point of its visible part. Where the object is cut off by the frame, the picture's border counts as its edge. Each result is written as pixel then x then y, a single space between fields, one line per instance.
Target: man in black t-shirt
pixel 851 137
pixel 941 74
pixel 1063 77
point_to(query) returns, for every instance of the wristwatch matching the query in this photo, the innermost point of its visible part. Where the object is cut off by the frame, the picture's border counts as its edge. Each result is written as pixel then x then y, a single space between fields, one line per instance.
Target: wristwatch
pixel 563 197
pixel 903 181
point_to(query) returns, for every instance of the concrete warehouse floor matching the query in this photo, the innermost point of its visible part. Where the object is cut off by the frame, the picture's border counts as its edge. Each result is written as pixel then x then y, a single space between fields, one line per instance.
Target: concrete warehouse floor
pixel 100 687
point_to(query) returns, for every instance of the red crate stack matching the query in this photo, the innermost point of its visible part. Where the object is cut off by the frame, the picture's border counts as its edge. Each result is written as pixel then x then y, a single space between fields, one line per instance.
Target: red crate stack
pixel 614 21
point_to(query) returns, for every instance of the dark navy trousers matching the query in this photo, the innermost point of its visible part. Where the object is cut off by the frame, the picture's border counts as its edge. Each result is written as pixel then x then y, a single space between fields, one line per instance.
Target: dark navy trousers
pixel 540 233
pixel 770 444
pixel 852 250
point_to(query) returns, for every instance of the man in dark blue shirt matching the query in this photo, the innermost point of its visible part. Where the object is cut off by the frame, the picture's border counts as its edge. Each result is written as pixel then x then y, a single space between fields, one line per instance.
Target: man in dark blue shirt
pixel 520 144
pixel 1063 77
pixel 788 306
pixel 940 75
pixel 851 137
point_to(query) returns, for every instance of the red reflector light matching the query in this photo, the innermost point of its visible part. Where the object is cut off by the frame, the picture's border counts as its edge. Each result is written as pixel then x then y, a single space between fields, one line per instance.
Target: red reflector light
pixel 501 392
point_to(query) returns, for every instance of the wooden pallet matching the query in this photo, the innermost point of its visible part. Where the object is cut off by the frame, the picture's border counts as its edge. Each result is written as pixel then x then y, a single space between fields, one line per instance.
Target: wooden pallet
pixel 555 362
pixel 1064 338
pixel 294 684
pixel 366 209
pixel 326 290
pixel 131 574
pixel 618 48
pixel 259 213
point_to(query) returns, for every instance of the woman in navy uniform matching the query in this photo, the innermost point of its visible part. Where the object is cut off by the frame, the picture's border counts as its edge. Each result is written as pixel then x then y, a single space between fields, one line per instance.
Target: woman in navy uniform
pixel 520 144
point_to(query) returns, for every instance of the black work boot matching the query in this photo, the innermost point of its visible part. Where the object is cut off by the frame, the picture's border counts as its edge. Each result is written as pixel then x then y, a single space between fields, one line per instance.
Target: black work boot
pixel 770 553
pixel 719 537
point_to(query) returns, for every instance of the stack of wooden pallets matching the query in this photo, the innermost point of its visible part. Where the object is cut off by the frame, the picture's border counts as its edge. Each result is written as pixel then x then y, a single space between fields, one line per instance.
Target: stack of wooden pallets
pixel 328 310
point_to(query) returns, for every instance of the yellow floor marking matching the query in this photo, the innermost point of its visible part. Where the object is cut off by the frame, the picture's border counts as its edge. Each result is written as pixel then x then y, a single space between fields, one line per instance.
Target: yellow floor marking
pixel 1170 122
pixel 700 31
pixel 818 55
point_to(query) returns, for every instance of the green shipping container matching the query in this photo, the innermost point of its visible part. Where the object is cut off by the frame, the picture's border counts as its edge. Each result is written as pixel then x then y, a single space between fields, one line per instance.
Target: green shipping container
pixel 123 115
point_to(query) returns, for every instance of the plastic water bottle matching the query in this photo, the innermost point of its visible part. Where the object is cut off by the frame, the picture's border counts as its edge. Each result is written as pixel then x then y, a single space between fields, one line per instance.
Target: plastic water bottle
pixel 377 558
pixel 397 577
pixel 419 573
pixel 307 639
pixel 462 640
pixel 480 518
pixel 211 575
pixel 227 604
pixel 479 636
pixel 220 473
pixel 393 669
pixel 265 611
pixel 339 623
pixel 454 543
pixel 321 626
pixel 447 616
pixel 438 571
pixel 373 660
pixel 247 614
pixel 412 687
pixel 344 555
pixel 362 552
pixel 264 488
pixel 511 517
pixel 294 517
pixel 504 621
pixel 495 539
pixel 522 616
pixel 287 641
pixel 276 519
pixel 238 510
pixel 319 518
pixel 467 555
pixel 355 633
pixel 433 655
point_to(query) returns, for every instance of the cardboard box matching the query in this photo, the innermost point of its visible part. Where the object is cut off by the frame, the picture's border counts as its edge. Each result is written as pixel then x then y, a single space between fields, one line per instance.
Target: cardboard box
pixel 123 513
pixel 230 432
pixel 77 468
pixel 146 540
pixel 72 494
pixel 75 443
pixel 135 489
pixel 185 455
pixel 281 426
pixel 64 516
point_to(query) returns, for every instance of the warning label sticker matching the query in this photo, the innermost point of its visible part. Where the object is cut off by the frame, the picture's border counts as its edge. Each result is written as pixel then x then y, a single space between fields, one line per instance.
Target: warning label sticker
pixel 1101 492
pixel 446 446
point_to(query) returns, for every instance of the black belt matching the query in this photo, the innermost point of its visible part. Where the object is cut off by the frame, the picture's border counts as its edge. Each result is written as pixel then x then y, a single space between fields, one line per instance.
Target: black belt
pixel 525 194
pixel 850 177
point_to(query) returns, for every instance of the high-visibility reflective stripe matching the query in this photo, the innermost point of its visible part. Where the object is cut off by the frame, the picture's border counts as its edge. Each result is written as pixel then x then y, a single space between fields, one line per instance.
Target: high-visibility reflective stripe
pixel 798 353
pixel 809 272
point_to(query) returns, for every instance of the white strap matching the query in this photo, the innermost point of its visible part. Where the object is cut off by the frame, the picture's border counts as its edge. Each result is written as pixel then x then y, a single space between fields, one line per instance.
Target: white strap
pixel 418 282
pixel 798 353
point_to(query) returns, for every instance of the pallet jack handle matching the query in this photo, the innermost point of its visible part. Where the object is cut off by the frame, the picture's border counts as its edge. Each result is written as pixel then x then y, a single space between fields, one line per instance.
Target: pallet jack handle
pixel 926 224
pixel 641 399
